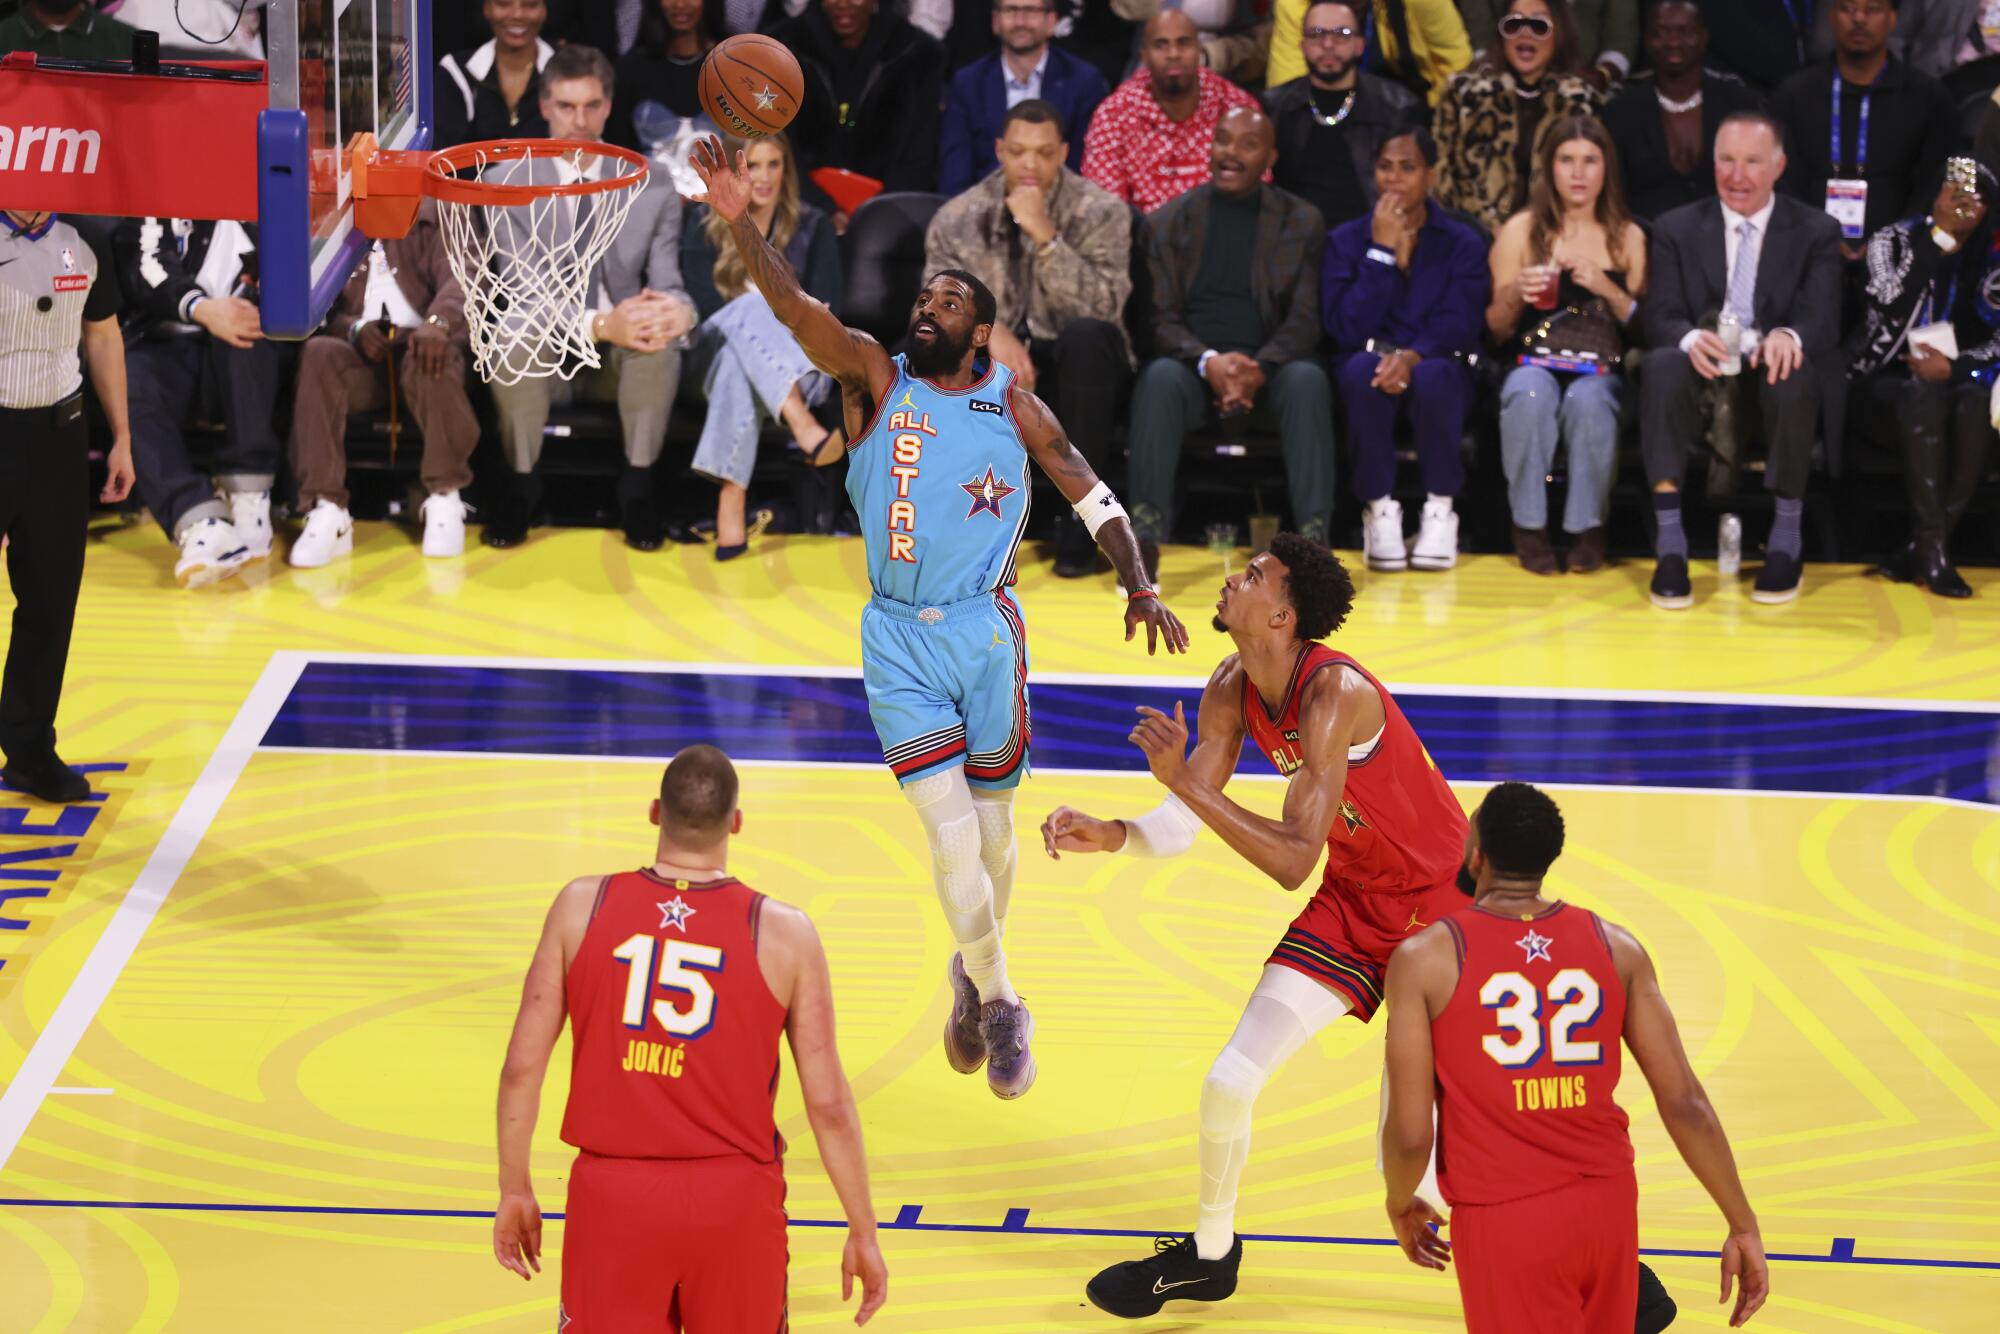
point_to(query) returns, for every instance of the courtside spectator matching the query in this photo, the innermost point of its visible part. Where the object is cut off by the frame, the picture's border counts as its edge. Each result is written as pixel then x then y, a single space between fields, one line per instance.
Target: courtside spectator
pixel 639 317
pixel 1403 294
pixel 1149 141
pixel 1568 272
pixel 1773 264
pixel 1332 120
pixel 177 272
pixel 1418 43
pixel 1895 127
pixel 1056 252
pixel 1492 119
pixel 493 91
pixel 873 87
pixel 400 318
pixel 1664 119
pixel 749 366
pixel 1929 327
pixel 1236 331
pixel 1607 34
pixel 658 110
pixel 1025 68
pixel 72 29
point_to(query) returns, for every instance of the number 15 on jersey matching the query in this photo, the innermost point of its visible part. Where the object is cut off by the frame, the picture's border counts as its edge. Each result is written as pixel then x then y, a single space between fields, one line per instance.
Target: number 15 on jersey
pixel 683 965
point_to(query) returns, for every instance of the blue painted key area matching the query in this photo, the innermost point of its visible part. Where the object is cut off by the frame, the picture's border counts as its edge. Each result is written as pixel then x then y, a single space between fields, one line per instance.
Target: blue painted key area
pixel 812 719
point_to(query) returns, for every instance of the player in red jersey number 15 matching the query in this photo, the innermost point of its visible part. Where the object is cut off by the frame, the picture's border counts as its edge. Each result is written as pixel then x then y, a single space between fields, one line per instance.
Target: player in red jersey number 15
pixel 1506 1019
pixel 677 981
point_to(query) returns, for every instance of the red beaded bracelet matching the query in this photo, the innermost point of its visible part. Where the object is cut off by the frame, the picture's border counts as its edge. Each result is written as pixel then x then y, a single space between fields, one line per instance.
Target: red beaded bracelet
pixel 1138 593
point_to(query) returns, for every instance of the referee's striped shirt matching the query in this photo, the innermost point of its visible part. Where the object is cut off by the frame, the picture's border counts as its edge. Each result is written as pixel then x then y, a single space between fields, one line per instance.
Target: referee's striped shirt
pixel 51 280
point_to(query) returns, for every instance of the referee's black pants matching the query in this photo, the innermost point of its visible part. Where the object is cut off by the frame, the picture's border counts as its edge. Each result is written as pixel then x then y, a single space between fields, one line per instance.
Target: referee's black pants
pixel 44 512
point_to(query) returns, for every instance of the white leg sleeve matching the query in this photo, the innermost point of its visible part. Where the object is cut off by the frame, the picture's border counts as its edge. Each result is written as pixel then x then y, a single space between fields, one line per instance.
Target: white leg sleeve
pixel 1427 1189
pixel 944 803
pixel 1284 1013
pixel 997 848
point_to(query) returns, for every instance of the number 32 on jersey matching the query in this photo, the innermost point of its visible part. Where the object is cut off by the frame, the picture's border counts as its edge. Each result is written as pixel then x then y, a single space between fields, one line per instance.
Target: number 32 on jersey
pixel 1517 1007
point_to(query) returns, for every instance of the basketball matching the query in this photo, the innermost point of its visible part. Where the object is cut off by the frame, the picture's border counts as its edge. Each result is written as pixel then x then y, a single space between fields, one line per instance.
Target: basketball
pixel 751 85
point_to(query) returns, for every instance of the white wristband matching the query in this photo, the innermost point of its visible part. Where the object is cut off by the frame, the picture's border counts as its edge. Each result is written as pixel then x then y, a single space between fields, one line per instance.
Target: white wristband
pixel 1099 508
pixel 1167 830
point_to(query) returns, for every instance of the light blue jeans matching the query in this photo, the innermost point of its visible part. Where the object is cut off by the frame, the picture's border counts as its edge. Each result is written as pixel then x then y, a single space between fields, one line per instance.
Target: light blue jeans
pixel 753 362
pixel 1537 412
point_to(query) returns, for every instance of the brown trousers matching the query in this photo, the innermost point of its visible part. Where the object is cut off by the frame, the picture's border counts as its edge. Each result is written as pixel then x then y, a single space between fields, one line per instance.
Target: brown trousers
pixel 335 380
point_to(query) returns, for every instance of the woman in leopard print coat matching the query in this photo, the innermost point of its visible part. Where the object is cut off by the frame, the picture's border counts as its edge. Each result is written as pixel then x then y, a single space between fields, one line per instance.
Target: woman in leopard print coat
pixel 1490 122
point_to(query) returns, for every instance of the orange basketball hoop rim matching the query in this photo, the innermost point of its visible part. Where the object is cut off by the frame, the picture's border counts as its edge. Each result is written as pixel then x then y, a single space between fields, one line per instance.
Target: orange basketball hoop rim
pixel 388 186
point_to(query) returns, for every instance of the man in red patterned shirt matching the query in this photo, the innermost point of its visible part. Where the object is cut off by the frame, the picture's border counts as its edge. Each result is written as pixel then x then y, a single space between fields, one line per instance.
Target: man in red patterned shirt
pixel 1148 142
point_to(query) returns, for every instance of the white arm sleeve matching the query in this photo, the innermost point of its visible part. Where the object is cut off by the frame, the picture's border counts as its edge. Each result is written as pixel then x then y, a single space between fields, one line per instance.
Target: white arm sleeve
pixel 1167 830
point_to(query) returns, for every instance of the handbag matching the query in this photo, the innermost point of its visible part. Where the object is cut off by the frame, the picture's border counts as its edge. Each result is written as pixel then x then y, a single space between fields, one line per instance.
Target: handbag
pixel 1582 338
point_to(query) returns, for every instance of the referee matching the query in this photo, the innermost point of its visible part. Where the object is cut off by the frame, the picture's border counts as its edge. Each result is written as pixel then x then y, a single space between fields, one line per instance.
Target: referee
pixel 51 299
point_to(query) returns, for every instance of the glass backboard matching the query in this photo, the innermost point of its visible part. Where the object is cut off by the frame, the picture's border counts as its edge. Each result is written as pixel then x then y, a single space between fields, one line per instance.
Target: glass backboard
pixel 338 68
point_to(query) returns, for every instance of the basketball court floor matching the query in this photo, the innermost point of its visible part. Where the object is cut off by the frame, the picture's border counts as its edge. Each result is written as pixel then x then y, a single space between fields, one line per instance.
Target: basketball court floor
pixel 253 1002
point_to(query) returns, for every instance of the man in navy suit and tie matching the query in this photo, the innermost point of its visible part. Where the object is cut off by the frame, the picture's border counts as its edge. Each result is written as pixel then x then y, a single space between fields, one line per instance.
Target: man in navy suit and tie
pixel 1773 264
pixel 1026 66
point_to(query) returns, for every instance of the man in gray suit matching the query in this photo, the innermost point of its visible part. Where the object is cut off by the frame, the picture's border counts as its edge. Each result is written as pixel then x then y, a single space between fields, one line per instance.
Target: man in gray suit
pixel 640 312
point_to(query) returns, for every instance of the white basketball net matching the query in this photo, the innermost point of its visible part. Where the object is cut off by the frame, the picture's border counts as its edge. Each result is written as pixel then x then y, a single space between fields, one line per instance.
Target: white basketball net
pixel 527 269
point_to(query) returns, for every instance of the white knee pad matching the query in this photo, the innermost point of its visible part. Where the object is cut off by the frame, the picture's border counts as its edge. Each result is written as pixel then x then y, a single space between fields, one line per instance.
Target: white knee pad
pixel 1228 1094
pixel 995 810
pixel 951 824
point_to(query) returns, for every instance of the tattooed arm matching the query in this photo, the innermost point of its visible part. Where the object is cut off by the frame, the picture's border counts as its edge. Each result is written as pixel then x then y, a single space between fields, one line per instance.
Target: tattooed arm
pixel 1074 477
pixel 848 355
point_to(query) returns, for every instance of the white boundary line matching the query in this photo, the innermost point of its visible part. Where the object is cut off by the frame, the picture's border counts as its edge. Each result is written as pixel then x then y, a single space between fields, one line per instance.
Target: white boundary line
pixel 73 1016
pixel 1166 682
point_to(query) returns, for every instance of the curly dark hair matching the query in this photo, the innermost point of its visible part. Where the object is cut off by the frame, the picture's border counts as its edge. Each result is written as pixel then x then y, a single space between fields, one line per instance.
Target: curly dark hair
pixel 1520 830
pixel 1320 589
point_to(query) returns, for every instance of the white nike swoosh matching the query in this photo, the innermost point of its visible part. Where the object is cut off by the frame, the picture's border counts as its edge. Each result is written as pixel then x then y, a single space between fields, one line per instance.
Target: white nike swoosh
pixel 1160 1287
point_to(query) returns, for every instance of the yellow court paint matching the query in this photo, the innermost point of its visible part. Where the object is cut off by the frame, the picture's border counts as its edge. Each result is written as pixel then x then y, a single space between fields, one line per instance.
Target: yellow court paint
pixel 315 1018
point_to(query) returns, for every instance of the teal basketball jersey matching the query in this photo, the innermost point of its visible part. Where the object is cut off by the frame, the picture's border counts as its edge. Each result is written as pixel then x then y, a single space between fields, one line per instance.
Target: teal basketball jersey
pixel 940 481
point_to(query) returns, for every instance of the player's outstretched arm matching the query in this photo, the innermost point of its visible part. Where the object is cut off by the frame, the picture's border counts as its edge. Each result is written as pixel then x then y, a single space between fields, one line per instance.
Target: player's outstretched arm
pixel 1288 848
pixel 517 1223
pixel 1416 970
pixel 1655 1042
pixel 1168 829
pixel 1102 514
pixel 836 1124
pixel 851 357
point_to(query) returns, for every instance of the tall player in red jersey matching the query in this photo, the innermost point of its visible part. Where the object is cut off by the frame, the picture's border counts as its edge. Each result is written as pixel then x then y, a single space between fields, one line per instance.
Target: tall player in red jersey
pixel 1505 1021
pixel 1362 790
pixel 677 981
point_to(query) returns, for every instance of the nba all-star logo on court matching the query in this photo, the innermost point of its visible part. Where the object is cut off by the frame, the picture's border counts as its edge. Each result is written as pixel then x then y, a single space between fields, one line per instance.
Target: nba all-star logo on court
pixel 987 492
pixel 675 914
pixel 1536 945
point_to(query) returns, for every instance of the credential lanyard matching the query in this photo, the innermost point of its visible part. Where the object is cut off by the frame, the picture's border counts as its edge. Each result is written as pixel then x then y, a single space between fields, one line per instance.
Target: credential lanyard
pixel 1860 129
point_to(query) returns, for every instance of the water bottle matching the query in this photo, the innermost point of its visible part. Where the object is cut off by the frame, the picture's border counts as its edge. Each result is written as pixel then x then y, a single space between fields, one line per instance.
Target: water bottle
pixel 1730 330
pixel 1729 546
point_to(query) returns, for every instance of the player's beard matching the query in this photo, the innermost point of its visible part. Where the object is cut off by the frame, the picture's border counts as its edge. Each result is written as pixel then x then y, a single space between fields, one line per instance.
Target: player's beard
pixel 1220 628
pixel 1468 884
pixel 941 356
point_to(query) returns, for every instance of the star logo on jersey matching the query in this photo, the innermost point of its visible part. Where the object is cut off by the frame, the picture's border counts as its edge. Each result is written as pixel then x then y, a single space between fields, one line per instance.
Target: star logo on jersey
pixel 1350 815
pixel 1536 946
pixel 562 1318
pixel 766 99
pixel 675 913
pixel 987 492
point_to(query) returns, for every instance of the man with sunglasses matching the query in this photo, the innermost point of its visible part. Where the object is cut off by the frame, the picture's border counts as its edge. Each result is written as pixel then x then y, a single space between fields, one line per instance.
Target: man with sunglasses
pixel 1333 120
pixel 1418 43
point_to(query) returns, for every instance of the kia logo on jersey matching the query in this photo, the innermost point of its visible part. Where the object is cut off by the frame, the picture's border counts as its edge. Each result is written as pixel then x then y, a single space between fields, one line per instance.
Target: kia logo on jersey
pixel 981 405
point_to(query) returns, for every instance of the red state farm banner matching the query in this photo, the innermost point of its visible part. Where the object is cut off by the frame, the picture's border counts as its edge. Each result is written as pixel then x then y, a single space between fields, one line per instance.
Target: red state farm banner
pixel 130 145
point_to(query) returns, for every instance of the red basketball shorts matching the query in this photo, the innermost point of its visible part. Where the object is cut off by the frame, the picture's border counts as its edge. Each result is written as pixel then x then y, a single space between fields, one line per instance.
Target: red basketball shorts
pixel 652 1244
pixel 1564 1262
pixel 1343 939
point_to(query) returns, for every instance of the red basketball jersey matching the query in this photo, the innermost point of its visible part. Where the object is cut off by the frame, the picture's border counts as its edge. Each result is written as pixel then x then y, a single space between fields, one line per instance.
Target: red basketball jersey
pixel 1527 1053
pixel 674 1034
pixel 1399 828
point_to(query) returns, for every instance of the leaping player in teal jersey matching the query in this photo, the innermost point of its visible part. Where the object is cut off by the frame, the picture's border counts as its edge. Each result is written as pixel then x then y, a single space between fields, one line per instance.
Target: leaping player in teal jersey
pixel 939 452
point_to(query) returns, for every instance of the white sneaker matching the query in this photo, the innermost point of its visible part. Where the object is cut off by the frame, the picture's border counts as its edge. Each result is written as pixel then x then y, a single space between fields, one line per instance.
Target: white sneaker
pixel 1436 546
pixel 1382 536
pixel 250 516
pixel 329 533
pixel 444 524
pixel 210 550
